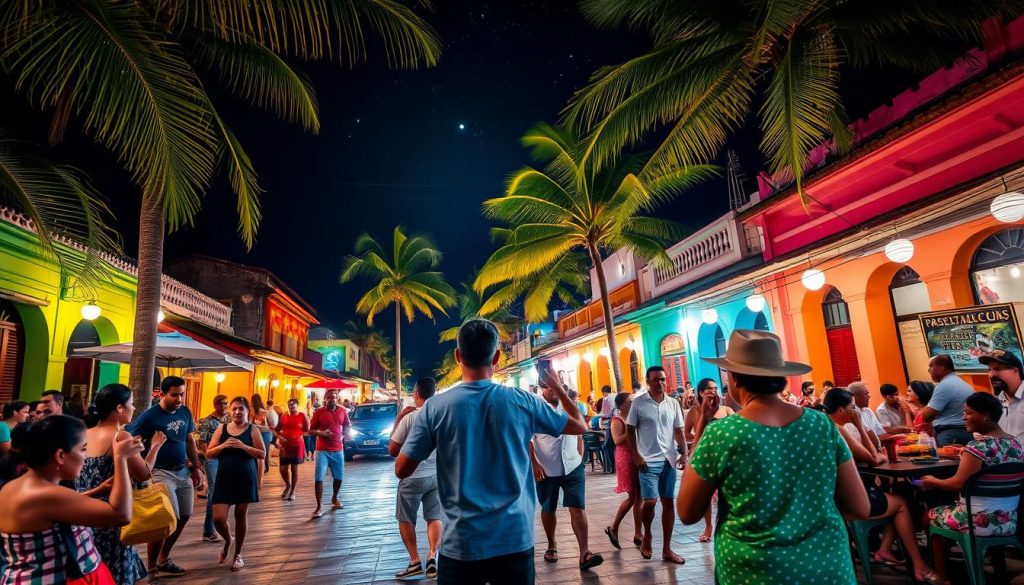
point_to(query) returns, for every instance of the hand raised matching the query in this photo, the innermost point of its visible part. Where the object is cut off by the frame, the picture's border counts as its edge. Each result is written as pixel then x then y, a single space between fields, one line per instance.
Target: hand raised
pixel 125 445
pixel 159 438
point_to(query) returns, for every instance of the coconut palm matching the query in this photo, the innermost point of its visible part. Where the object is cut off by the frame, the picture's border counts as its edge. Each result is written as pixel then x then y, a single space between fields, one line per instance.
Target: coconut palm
pixel 713 61
pixel 134 74
pixel 567 207
pixel 372 341
pixel 405 278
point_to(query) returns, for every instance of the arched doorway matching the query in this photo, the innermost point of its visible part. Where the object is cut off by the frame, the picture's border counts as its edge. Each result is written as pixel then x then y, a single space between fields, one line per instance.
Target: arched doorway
pixel 81 375
pixel 909 297
pixel 634 367
pixel 710 344
pixel 997 268
pixel 839 336
pixel 761 322
pixel 585 380
pixel 673 359
pixel 12 352
pixel 603 372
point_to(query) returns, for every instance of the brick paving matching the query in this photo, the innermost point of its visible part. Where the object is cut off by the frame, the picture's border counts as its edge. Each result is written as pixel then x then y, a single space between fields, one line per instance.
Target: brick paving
pixel 360 544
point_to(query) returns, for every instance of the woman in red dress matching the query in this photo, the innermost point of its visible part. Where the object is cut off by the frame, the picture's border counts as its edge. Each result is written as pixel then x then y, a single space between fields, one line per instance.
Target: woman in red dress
pixel 628 481
pixel 290 430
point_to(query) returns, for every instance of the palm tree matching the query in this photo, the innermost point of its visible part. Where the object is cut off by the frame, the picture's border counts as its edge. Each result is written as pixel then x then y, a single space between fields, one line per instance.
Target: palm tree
pixel 372 341
pixel 405 278
pixel 703 74
pixel 133 73
pixel 567 207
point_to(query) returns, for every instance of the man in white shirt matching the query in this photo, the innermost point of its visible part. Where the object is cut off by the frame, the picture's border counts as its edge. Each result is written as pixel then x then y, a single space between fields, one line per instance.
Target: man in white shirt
pixel 892 413
pixel 419 487
pixel 862 400
pixel 654 430
pixel 558 467
pixel 1005 374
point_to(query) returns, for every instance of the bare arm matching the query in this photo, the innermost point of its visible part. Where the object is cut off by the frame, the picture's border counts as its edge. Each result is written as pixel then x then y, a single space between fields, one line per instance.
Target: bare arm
pixel 631 442
pixel 851 497
pixel 259 449
pixel 405 466
pixel 618 430
pixel 928 414
pixel 538 470
pixel 218 445
pixel 681 443
pixel 576 425
pixel 192 451
pixel 694 498
pixel 969 465
pixel 860 452
pixel 690 424
pixel 59 504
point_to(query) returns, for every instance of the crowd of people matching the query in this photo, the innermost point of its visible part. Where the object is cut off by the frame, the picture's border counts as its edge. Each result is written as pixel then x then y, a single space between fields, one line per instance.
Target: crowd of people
pixel 476 460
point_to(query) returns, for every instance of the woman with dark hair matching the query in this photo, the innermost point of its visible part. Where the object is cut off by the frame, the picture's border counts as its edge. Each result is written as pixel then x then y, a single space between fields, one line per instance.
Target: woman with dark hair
pixel 627 481
pixel 14 414
pixel 290 431
pixel 757 460
pixel 992 516
pixel 262 424
pixel 839 406
pixel 918 395
pixel 238 446
pixel 706 388
pixel 112 409
pixel 43 524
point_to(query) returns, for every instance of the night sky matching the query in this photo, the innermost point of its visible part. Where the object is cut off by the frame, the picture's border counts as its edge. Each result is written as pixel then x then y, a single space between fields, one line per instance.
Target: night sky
pixel 418 148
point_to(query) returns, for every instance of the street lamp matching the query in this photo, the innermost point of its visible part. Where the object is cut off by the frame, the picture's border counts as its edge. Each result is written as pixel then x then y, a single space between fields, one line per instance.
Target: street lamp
pixel 91 311
pixel 220 379
pixel 813 279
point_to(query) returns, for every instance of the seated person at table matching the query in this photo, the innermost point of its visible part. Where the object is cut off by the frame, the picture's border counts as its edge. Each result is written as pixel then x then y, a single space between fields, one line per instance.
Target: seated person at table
pixel 893 413
pixel 919 393
pixel 839 406
pixel 992 516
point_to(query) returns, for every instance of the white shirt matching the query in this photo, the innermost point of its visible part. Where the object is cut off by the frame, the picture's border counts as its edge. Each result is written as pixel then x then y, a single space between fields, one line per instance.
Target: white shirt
pixel 272 418
pixel 871 421
pixel 427 467
pixel 557 455
pixel 1013 413
pixel 655 424
pixel 889 416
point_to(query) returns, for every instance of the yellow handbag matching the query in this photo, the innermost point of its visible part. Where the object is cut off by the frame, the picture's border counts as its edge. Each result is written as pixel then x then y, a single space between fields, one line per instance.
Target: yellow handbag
pixel 152 515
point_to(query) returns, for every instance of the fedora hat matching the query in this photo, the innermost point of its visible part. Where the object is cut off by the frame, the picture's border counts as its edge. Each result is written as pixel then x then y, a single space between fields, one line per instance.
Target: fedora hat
pixel 757 353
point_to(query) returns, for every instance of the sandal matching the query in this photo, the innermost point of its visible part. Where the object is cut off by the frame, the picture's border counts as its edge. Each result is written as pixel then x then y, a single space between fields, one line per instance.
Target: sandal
pixel 674 558
pixel 929 577
pixel 614 539
pixel 551 556
pixel 886 559
pixel 590 560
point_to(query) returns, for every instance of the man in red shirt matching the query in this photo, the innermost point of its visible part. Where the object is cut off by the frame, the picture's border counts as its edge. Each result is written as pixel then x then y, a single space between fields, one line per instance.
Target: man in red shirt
pixel 330 425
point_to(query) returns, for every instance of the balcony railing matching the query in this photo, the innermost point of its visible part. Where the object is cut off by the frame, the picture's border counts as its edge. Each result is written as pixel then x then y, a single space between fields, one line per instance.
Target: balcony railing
pixel 623 299
pixel 176 297
pixel 711 249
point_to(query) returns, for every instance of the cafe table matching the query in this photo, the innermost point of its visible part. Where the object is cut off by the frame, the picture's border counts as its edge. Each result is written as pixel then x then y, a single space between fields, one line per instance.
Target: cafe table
pixel 905 469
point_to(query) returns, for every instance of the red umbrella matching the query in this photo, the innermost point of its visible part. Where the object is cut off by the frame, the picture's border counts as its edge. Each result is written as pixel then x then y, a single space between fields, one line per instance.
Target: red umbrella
pixel 331 384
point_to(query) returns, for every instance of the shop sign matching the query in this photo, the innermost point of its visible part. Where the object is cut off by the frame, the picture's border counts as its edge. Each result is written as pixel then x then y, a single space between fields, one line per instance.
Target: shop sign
pixel 969 333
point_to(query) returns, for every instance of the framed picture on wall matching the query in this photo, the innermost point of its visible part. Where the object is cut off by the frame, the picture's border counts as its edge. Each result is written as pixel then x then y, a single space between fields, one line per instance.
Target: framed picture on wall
pixel 969 333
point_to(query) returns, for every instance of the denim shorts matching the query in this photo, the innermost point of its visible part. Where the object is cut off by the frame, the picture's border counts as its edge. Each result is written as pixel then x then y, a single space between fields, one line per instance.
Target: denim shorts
pixel 335 460
pixel 179 488
pixel 573 488
pixel 659 481
pixel 412 491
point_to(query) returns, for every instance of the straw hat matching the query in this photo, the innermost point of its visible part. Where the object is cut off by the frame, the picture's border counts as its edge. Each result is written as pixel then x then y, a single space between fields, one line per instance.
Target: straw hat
pixel 757 353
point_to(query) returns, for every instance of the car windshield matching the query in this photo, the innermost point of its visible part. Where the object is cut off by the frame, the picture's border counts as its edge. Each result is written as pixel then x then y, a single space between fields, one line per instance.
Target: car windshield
pixel 375 411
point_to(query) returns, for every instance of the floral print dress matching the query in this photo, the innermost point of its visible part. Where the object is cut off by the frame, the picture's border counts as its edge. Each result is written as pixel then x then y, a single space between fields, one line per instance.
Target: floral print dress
pixel 123 561
pixel 988 519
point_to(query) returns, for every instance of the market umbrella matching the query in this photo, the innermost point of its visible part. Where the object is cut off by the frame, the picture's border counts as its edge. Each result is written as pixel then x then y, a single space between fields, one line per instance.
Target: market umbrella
pixel 173 350
pixel 331 384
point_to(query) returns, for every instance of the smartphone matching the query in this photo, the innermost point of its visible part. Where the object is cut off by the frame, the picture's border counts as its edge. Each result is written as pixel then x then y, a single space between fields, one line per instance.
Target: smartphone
pixel 917 483
pixel 543 365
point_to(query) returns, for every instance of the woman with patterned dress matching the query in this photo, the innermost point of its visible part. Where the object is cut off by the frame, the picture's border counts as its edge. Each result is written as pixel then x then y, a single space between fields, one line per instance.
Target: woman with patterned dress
pixel 112 410
pixel 44 534
pixel 627 481
pixel 239 449
pixel 290 431
pixel 757 460
pixel 992 516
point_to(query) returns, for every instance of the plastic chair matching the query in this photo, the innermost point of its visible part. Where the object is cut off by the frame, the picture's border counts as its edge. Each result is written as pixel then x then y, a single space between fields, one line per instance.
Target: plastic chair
pixel 592 446
pixel 860 532
pixel 998 481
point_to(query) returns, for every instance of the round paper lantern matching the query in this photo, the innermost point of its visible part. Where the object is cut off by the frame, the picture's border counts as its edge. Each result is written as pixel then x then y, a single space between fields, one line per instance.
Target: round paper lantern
pixel 1015 272
pixel 756 302
pixel 709 316
pixel 813 279
pixel 899 250
pixel 1008 207
pixel 90 311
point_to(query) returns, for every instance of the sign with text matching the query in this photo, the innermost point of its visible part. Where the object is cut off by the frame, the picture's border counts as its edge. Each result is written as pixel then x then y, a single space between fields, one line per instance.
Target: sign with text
pixel 969 333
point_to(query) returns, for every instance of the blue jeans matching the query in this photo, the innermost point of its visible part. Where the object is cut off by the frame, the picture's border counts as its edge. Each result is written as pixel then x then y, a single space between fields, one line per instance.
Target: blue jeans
pixel 211 476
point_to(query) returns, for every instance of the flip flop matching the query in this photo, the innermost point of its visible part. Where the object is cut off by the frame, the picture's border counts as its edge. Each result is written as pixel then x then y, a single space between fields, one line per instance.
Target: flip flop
pixel 318 514
pixel 337 506
pixel 887 560
pixel 676 559
pixel 590 561
pixel 612 538
pixel 704 538
pixel 551 556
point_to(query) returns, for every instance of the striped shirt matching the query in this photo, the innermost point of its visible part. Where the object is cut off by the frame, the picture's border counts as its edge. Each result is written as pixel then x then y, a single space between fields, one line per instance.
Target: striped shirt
pixel 38 558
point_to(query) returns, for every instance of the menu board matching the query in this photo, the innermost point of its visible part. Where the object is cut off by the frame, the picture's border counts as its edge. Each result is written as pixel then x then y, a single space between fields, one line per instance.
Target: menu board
pixel 969 333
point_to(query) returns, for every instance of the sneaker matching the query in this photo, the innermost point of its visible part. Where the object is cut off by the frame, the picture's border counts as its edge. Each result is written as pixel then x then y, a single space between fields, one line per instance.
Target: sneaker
pixel 169 569
pixel 211 538
pixel 431 572
pixel 413 570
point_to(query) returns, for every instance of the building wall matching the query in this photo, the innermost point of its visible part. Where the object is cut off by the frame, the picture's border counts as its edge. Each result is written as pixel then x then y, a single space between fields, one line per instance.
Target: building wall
pixel 246 291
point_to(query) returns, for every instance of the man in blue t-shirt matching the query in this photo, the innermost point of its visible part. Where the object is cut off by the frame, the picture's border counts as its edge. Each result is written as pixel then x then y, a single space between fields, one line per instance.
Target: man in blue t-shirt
pixel 481 432
pixel 177 465
pixel 945 409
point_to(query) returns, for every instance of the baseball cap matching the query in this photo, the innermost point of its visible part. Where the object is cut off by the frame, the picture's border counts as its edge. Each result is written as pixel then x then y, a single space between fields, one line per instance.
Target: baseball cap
pixel 1001 356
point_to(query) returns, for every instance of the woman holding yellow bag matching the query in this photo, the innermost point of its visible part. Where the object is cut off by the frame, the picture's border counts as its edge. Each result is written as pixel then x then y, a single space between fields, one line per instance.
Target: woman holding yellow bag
pixel 112 410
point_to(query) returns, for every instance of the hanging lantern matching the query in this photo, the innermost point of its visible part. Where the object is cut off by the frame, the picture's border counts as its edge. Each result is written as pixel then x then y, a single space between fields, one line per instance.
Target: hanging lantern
pixel 899 250
pixel 709 316
pixel 630 345
pixel 605 352
pixel 219 378
pixel 813 279
pixel 1008 207
pixel 756 302
pixel 90 311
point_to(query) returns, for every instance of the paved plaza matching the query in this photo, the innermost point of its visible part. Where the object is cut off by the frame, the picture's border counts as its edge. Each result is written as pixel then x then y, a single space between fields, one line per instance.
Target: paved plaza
pixel 360 544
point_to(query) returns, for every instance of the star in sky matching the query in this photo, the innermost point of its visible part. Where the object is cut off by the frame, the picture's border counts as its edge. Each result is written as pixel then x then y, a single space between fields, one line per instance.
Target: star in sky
pixel 462 126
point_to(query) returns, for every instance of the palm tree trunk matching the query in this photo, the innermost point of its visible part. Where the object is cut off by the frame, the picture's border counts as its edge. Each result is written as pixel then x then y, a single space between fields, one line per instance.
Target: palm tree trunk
pixel 398 348
pixel 147 299
pixel 609 319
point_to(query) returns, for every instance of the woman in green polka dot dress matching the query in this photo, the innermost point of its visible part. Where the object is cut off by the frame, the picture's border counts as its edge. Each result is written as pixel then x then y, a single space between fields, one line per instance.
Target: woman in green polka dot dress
pixel 780 471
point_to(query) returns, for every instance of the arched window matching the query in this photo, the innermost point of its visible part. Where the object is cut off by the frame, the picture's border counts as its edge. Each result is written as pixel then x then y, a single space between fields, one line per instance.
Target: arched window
pixel 761 322
pixel 837 314
pixel 719 342
pixel 997 267
pixel 12 351
pixel 673 359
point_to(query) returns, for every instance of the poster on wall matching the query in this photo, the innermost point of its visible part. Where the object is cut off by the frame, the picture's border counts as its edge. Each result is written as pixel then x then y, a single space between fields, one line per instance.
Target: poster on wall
pixel 969 333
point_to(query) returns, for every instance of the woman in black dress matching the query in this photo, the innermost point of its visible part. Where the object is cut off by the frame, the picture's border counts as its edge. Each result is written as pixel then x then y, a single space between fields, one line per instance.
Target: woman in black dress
pixel 237 445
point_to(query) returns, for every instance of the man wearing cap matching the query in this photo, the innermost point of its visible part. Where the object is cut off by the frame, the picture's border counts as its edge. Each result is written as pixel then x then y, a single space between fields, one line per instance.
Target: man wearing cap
pixel 945 410
pixel 1005 373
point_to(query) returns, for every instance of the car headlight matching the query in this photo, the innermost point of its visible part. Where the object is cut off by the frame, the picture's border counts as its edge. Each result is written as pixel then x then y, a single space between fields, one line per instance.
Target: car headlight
pixel 352 433
pixel 387 429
